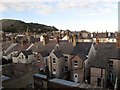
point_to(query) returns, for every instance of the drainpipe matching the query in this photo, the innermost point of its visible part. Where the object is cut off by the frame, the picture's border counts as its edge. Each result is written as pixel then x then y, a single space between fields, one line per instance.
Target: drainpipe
pixel 116 83
pixel 51 65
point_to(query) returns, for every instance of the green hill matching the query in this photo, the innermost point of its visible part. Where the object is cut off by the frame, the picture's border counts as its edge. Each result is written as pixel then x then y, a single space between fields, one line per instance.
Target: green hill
pixel 10 25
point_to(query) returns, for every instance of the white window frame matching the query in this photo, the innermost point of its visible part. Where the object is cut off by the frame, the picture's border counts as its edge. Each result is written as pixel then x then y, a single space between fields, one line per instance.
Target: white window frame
pixel 66 58
pixel 76 78
pixel 75 63
pixel 53 59
pixel 66 68
pixel 54 71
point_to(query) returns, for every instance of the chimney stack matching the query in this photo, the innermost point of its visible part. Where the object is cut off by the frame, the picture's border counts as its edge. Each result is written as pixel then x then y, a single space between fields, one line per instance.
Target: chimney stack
pixel 118 40
pixel 60 36
pixel 74 40
pixel 22 42
pixel 57 39
pixel 97 40
pixel 45 39
pixel 28 35
pixel 70 39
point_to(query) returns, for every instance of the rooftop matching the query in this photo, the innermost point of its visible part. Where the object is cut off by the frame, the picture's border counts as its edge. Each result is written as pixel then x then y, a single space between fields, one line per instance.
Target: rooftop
pixel 40 76
pixel 65 82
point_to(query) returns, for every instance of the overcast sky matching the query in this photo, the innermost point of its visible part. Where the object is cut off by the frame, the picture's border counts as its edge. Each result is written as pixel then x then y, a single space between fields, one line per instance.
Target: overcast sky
pixel 74 15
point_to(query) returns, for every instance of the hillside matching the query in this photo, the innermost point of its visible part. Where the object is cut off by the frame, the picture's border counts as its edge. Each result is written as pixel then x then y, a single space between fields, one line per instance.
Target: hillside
pixel 10 25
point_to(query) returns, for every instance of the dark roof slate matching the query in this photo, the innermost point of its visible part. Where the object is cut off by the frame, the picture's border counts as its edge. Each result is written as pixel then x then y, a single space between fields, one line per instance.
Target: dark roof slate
pixel 44 53
pixel 104 52
pixel 26 53
pixel 82 49
pixel 58 54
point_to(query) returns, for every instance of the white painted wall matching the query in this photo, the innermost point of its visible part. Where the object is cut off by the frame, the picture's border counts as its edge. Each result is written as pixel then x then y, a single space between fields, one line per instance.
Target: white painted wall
pixel 24 59
pixel 41 38
pixel 15 59
pixel 65 38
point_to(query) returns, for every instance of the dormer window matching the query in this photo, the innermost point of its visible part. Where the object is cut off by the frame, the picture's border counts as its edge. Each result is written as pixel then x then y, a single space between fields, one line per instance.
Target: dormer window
pixel 110 64
pixel 22 57
pixel 66 68
pixel 75 63
pixel 54 61
pixel 66 58
pixel 54 71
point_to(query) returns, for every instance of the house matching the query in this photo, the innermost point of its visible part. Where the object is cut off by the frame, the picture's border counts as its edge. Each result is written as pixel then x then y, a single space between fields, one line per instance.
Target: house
pixel 77 71
pixel 56 64
pixel 41 51
pixel 23 57
pixel 100 71
pixel 6 46
pixel 15 49
pixel 80 51
pixel 67 54
pixel 41 60
pixel 104 37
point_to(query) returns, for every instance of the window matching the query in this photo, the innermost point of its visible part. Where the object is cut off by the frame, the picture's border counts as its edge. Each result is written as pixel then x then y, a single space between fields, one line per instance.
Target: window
pixel 110 64
pixel 98 81
pixel 54 61
pixel 54 71
pixel 75 75
pixel 11 55
pixel 66 58
pixel 66 68
pixel 111 77
pixel 38 57
pixel 75 63
pixel 38 61
pixel 22 57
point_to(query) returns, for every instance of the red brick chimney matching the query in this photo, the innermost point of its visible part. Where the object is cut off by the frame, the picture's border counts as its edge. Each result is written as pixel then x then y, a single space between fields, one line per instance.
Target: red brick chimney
pixel 57 40
pixel 118 40
pixel 45 39
pixel 97 40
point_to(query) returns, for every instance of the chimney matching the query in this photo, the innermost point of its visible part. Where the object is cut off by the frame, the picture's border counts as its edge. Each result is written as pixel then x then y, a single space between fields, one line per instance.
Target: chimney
pixel 45 39
pixel 70 39
pixel 106 34
pixel 57 39
pixel 74 40
pixel 67 33
pixel 22 42
pixel 60 36
pixel 27 35
pixel 118 40
pixel 97 40
pixel 13 40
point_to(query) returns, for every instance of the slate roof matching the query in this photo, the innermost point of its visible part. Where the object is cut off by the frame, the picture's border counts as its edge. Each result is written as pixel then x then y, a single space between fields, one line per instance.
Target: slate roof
pixel 104 52
pixel 64 82
pixel 6 44
pixel 40 76
pixel 65 47
pixel 44 53
pixel 38 47
pixel 26 53
pixel 58 54
pixel 19 48
pixel 82 49
pixel 4 78
pixel 33 40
